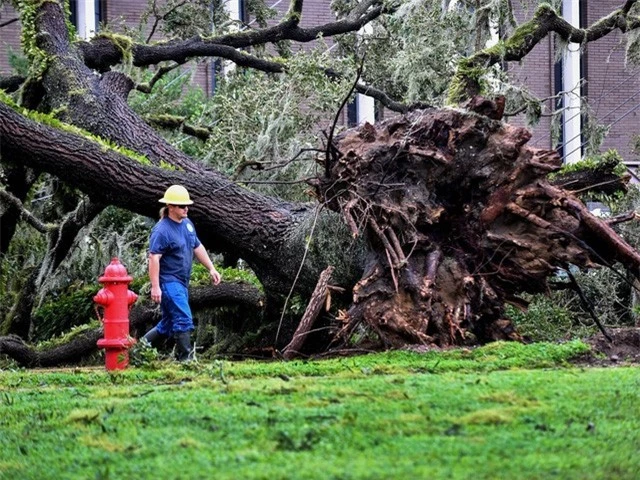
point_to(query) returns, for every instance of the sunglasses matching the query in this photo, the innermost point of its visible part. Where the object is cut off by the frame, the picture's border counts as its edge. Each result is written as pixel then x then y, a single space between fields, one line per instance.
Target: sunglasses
pixel 181 207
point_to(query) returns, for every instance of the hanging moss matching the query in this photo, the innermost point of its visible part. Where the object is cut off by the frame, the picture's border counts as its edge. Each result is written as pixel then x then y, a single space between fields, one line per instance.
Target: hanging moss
pixel 610 157
pixel 469 77
pixel 122 43
pixel 38 58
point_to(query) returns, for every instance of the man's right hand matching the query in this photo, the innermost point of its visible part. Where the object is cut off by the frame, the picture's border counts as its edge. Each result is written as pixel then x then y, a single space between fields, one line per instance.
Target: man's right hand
pixel 156 294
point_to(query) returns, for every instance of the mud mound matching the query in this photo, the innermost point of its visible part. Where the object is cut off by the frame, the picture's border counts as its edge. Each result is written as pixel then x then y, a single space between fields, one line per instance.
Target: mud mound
pixel 624 347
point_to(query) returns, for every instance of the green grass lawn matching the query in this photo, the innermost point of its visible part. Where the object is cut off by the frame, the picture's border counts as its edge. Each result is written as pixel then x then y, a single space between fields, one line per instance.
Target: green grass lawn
pixel 502 411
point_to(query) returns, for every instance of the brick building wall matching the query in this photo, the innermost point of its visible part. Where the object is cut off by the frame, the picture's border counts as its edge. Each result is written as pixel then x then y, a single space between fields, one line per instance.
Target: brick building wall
pixel 612 87
pixel 536 72
pixel 123 14
pixel 9 37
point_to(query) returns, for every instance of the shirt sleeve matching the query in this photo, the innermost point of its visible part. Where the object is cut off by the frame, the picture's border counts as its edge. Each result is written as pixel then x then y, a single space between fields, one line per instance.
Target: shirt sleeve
pixel 196 240
pixel 157 242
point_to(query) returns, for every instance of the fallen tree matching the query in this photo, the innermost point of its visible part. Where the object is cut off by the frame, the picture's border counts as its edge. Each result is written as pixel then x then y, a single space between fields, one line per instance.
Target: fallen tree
pixel 432 221
pixel 454 208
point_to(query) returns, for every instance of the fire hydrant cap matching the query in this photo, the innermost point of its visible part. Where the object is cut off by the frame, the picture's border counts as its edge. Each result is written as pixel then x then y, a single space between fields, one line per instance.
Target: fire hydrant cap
pixel 115 272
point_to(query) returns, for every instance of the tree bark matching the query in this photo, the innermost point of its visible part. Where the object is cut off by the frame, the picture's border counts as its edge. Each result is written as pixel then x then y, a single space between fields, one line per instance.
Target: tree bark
pixel 268 233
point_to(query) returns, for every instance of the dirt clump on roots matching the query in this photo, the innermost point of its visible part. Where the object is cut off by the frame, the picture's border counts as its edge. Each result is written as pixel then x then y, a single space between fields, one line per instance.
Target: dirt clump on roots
pixel 623 349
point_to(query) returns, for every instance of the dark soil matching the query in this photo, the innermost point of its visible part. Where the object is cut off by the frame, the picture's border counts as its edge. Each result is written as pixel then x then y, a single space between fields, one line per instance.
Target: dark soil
pixel 624 348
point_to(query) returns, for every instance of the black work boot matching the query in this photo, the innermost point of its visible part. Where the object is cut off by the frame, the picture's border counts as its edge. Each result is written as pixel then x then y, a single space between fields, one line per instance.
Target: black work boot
pixel 183 346
pixel 152 336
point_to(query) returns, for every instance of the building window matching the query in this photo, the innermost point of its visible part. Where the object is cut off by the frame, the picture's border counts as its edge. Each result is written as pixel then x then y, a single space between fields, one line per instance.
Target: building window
pixel 352 113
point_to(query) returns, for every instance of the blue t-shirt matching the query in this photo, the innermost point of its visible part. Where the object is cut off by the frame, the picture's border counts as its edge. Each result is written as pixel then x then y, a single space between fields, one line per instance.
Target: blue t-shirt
pixel 175 242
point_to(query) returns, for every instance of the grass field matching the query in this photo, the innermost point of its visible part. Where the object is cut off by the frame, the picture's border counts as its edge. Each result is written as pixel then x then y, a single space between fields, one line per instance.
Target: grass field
pixel 502 411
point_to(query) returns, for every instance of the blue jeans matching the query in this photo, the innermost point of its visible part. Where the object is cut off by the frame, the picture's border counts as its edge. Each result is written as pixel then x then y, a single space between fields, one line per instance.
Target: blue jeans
pixel 176 313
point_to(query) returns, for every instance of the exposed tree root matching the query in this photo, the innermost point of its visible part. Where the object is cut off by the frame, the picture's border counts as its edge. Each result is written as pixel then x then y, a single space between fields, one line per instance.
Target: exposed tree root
pixel 460 217
pixel 320 297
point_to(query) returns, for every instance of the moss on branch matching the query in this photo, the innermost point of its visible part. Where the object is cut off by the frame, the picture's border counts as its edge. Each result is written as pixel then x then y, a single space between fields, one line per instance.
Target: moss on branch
pixel 53 122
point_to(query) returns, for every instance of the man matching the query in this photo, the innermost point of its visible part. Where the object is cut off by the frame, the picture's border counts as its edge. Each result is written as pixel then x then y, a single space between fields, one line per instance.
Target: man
pixel 172 245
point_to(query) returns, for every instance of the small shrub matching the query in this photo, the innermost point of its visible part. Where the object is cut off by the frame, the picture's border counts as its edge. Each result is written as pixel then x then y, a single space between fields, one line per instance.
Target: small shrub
pixel 545 320
pixel 61 312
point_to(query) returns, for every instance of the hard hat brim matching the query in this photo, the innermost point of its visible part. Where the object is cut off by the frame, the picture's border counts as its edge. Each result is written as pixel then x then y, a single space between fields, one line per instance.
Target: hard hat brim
pixel 173 202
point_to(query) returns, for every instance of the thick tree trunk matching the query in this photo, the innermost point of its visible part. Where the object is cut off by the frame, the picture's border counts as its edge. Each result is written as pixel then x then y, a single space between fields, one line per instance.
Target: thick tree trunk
pixel 266 232
pixel 454 206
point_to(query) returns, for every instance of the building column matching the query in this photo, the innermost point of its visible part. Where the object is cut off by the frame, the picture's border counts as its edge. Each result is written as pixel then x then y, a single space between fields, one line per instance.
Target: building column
pixel 234 9
pixel 571 86
pixel 86 16
pixel 366 109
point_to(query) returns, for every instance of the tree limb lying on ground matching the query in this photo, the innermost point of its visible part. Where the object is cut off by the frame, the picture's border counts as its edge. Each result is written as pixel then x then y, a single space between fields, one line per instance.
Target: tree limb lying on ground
pixel 141 317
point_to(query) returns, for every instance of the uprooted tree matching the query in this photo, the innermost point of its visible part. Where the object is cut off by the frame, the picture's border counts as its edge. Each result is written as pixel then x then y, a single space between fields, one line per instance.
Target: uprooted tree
pixel 431 220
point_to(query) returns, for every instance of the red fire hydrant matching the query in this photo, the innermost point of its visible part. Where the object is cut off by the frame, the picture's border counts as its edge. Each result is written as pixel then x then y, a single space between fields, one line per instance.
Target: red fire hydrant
pixel 116 298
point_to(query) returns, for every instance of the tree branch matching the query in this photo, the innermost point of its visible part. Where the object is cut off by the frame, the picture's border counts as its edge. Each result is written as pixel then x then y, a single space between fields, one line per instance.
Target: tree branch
pixel 31 219
pixel 466 82
pixel 102 52
pixel 86 343
pixel 161 17
pixel 11 83
pixel 387 101
pixel 317 301
pixel 162 71
pixel 179 123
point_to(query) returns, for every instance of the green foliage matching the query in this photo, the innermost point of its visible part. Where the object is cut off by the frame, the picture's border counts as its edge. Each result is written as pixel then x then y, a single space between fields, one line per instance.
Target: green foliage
pixel 546 320
pixel 25 253
pixel 467 74
pixel 261 12
pixel 38 60
pixel 203 18
pixel 65 309
pixel 632 40
pixel 68 336
pixel 593 162
pixel 144 355
pixel 359 418
pixel 255 119
pixel 18 62
pixel 200 275
pixel 412 53
pixel 113 233
pixel 562 315
pixel 116 233
pixel 630 231
pixel 187 19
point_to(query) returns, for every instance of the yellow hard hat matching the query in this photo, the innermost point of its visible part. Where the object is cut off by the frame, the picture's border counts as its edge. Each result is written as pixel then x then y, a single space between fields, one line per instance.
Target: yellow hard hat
pixel 176 195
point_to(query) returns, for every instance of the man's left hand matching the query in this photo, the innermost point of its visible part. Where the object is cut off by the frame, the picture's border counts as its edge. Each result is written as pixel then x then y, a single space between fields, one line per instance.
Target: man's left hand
pixel 215 276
